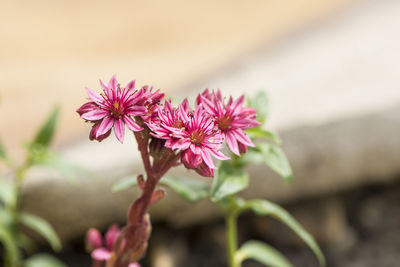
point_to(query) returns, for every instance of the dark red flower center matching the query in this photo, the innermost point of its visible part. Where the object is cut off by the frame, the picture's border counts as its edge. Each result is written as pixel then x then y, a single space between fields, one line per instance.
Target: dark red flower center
pixel 225 122
pixel 197 136
pixel 177 124
pixel 117 109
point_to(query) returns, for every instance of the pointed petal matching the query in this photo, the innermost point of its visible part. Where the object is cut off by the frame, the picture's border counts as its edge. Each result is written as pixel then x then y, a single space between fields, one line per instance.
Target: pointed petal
pixel 243 138
pixel 101 254
pixel 106 89
pixel 113 83
pixel 95 115
pixel 119 130
pixel 105 126
pixel 183 113
pixel 232 143
pixel 130 86
pixel 132 125
pixel 218 154
pixel 207 159
pixel 94 96
pixel 208 105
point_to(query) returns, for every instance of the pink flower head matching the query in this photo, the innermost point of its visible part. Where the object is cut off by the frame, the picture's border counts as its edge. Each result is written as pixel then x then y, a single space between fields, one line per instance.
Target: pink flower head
pixel 150 100
pixel 101 251
pixel 231 119
pixel 115 107
pixel 199 139
pixel 169 122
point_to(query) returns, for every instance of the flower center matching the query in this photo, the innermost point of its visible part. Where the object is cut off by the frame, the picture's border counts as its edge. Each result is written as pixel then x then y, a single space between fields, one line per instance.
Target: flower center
pixel 197 136
pixel 117 110
pixel 177 124
pixel 225 122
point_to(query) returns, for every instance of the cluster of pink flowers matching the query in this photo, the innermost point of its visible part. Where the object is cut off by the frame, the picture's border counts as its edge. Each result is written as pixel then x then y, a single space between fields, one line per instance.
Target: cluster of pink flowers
pixel 198 134
pixel 101 250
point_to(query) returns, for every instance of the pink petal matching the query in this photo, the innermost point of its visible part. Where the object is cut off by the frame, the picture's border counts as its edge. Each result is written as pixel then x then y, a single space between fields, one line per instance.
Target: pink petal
pixel 89 106
pixel 183 112
pixel 134 264
pixel 105 88
pixel 208 105
pixel 105 126
pixel 94 96
pixel 113 83
pixel 207 159
pixel 130 85
pixel 195 149
pixel 101 254
pixel 95 115
pixel 119 130
pixel 132 125
pixel 242 137
pixel 236 104
pixel 232 143
pixel 218 154
pixel 136 111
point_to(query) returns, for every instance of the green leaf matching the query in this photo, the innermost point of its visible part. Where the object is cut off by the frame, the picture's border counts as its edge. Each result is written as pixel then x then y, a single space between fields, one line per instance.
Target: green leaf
pixel 259 132
pixel 261 103
pixel 43 228
pixel 262 253
pixel 3 153
pixel 43 260
pixel 228 180
pixel 124 183
pixel 267 208
pixel 5 217
pixel 46 133
pixel 10 246
pixel 189 189
pixel 275 158
pixel 7 192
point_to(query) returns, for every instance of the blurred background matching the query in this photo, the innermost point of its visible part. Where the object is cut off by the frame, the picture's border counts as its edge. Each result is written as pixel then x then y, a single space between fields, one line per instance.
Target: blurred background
pixel 330 69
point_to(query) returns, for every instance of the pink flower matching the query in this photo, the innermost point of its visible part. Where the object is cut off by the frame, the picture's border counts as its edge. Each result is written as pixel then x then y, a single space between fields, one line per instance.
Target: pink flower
pixel 151 100
pixel 231 119
pixel 102 251
pixel 199 139
pixel 115 107
pixel 169 122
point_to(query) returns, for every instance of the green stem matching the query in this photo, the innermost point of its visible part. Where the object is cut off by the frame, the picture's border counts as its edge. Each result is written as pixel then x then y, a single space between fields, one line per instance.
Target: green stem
pixel 231 238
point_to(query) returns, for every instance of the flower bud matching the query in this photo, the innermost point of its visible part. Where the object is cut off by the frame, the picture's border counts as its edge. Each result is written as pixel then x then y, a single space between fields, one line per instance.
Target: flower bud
pixel 93 239
pixel 191 160
pixel 242 148
pixel 204 170
pixel 111 236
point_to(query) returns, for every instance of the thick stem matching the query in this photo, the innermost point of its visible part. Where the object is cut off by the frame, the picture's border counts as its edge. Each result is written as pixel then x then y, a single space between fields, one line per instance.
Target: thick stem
pixel 231 238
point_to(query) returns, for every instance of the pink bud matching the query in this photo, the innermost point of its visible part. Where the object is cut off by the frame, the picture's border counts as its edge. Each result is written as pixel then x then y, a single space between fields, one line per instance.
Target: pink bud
pixel 93 239
pixel 204 170
pixel 191 160
pixel 242 148
pixel 111 236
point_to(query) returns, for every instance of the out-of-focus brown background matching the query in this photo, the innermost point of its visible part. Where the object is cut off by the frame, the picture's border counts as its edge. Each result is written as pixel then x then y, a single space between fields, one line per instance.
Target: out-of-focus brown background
pixel 51 50
pixel 329 67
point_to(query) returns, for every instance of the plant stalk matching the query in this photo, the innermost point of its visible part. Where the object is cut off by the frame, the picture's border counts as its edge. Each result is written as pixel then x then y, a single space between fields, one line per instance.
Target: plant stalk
pixel 231 238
